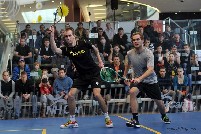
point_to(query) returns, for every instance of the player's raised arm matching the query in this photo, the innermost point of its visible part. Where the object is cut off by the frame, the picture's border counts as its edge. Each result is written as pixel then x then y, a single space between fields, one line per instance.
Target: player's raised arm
pixel 52 42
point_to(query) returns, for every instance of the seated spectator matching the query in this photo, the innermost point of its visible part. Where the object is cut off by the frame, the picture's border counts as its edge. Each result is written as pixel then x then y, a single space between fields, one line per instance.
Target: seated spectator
pixel 169 34
pixel 186 55
pixel 7 90
pixel 46 52
pixel 148 44
pixel 150 31
pixel 98 25
pixel 121 39
pixel 36 79
pixel 180 83
pixel 159 58
pixel 196 73
pixel 20 68
pixel 109 31
pixel 119 68
pixel 177 54
pixel 24 88
pixel 22 51
pixel 62 84
pixel 171 65
pixel 104 47
pixel 141 30
pixel 115 51
pixel 45 74
pixel 177 42
pixel 165 84
pixel 164 43
pixel 27 30
pixel 80 31
pixel 46 92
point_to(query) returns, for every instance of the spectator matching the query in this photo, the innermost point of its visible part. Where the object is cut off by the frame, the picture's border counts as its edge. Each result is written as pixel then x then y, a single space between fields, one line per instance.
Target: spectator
pixel 180 83
pixel 115 52
pixel 20 68
pixel 171 65
pixel 162 42
pixel 168 34
pixel 149 30
pixel 80 31
pixel 159 58
pixel 23 51
pixel 178 42
pixel 148 44
pixel 62 84
pixel 186 55
pixel 165 84
pixel 109 31
pixel 104 47
pixel 46 92
pixel 95 29
pixel 7 90
pixel 121 39
pixel 119 68
pixel 24 88
pixel 27 30
pixel 46 52
pixel 196 73
pixel 36 79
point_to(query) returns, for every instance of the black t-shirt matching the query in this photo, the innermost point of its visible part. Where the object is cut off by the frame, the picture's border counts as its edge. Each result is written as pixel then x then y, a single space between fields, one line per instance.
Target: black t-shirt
pixel 23 51
pixel 80 55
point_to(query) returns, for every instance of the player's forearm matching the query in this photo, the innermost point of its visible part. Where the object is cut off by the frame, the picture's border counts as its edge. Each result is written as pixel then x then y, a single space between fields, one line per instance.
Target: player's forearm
pixel 97 54
pixel 53 44
pixel 149 71
pixel 126 70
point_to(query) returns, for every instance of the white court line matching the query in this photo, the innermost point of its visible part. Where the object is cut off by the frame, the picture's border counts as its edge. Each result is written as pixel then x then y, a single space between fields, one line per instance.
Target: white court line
pixel 20 130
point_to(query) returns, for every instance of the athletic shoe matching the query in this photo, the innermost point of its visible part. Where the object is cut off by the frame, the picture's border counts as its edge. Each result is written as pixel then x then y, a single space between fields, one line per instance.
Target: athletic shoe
pixel 133 123
pixel 108 122
pixel 166 119
pixel 70 124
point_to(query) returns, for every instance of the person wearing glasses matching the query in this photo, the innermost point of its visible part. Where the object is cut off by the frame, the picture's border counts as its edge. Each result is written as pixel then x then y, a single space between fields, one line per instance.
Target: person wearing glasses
pixel 79 53
pixel 145 80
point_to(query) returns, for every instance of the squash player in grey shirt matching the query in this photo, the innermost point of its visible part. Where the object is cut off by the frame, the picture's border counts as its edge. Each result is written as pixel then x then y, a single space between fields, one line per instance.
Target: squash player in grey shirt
pixel 142 61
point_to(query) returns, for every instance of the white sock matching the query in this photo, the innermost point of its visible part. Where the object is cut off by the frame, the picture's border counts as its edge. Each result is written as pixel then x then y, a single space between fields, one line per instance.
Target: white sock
pixel 106 115
pixel 72 117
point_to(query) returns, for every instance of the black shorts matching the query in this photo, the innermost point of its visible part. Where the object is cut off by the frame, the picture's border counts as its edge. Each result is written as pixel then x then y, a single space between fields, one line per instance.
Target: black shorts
pixel 151 90
pixel 84 80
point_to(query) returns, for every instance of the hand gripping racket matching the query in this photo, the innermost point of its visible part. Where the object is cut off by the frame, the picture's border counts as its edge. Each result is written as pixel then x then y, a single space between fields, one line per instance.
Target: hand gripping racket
pixel 109 75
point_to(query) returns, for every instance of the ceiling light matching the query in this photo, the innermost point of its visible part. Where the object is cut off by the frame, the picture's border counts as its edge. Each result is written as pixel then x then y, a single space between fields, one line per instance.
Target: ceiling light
pixel 98 13
pixel 52 1
pixel 11 26
pixel 6 20
pixel 175 13
pixel 10 23
pixel 123 0
pixel 125 11
pixel 100 17
pixel 29 7
pixel 3 12
pixel 2 8
pixel 3 16
pixel 99 9
pixel 94 5
pixel 60 3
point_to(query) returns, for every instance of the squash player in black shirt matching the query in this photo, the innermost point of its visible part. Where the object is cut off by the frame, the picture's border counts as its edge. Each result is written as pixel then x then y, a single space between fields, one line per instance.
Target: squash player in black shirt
pixel 79 53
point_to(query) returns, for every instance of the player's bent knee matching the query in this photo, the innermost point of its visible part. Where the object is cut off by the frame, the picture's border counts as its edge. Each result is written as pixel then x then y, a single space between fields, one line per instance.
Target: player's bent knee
pixel 134 91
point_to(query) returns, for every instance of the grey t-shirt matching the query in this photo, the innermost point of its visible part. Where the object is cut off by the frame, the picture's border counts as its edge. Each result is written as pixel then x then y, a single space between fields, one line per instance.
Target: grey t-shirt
pixel 140 62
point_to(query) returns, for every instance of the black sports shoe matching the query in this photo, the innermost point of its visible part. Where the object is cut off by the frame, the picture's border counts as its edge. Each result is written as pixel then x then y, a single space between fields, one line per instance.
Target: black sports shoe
pixel 166 119
pixel 133 123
